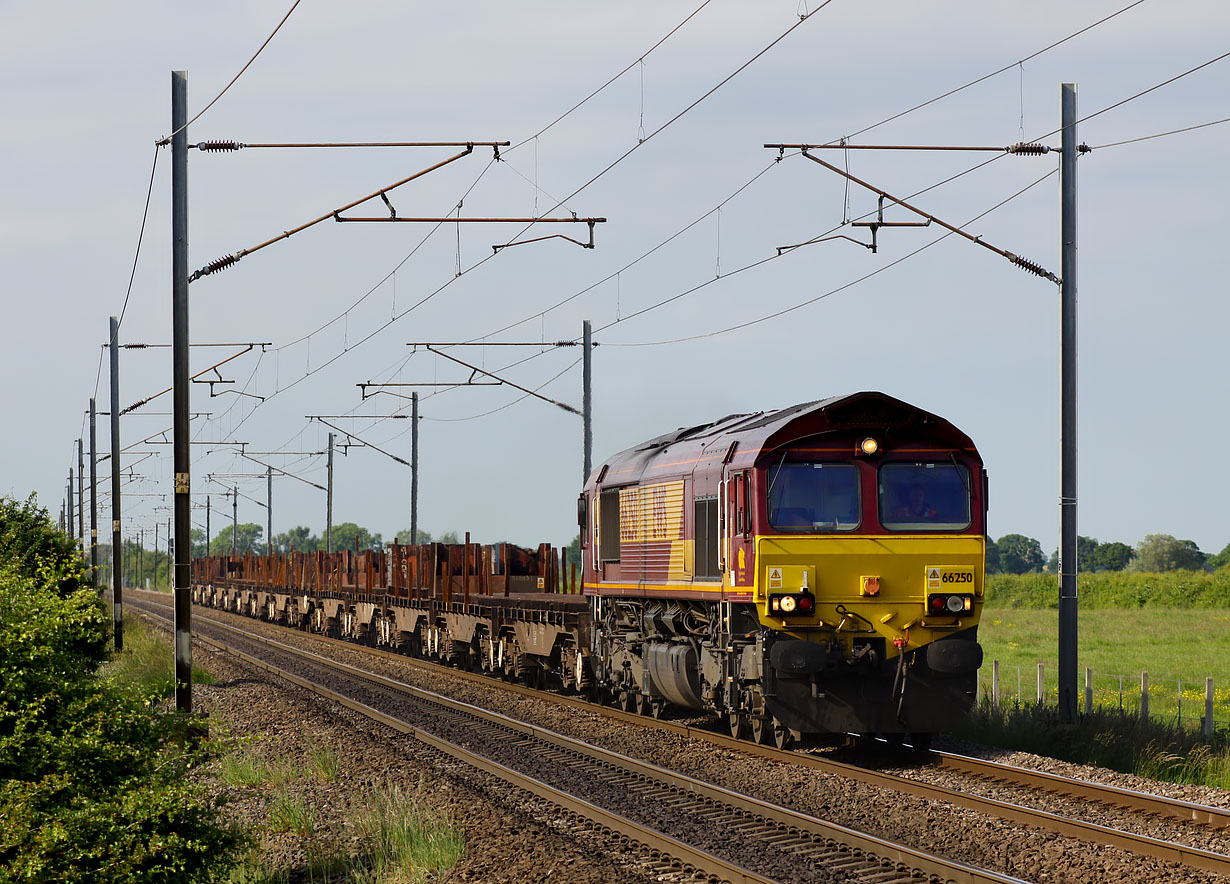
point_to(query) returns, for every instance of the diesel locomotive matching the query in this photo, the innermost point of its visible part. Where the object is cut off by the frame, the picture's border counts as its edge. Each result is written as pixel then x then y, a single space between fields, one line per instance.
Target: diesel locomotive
pixel 813 570
pixel 816 570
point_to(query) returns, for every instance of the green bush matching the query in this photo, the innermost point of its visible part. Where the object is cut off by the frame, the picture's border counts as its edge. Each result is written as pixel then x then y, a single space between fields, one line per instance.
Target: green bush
pixel 1114 589
pixel 36 548
pixel 93 784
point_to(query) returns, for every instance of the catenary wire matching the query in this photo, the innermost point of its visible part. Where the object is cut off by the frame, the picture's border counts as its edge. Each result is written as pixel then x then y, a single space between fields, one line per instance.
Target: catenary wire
pixel 1162 134
pixel 841 288
pixel 591 181
pixel 859 132
pixel 987 162
pixel 167 139
pixel 996 73
pixel 593 94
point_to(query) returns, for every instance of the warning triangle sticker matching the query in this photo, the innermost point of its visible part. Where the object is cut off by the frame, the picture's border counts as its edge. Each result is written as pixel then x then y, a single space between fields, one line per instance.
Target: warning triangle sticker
pixel 933 574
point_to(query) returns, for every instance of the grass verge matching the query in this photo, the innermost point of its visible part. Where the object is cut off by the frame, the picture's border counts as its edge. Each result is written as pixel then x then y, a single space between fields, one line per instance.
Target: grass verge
pixel 147 662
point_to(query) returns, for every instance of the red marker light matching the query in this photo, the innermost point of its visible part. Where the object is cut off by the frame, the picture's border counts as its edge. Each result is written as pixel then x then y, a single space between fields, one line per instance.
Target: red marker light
pixel 805 604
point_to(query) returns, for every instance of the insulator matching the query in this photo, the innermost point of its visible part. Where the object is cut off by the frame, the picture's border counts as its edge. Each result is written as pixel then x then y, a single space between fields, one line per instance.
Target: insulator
pixel 1031 149
pixel 215 266
pixel 219 145
pixel 1032 267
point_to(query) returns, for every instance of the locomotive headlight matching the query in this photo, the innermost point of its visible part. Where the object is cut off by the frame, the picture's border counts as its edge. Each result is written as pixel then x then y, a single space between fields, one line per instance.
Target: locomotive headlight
pixel 956 604
pixel 869 446
pixel 793 604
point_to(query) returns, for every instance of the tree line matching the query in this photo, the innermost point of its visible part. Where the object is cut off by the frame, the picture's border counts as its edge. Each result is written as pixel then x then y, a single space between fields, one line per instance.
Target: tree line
pixel 249 537
pixel 1155 553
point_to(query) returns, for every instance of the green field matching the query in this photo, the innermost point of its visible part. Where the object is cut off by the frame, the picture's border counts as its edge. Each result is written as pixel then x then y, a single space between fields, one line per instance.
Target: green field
pixel 1172 644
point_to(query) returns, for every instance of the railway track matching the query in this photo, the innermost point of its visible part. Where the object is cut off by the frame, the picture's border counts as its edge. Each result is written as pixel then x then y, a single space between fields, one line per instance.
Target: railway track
pixel 690 825
pixel 1111 796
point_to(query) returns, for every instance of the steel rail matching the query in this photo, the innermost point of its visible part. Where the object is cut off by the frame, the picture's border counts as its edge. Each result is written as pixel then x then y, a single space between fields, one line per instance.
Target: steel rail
pixel 1187 811
pixel 1159 805
pixel 1142 845
pixel 872 849
pixel 690 856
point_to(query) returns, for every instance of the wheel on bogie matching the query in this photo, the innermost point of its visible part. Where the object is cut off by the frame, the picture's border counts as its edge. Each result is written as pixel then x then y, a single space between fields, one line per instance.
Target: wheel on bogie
pixel 762 729
pixel 738 724
pixel 783 737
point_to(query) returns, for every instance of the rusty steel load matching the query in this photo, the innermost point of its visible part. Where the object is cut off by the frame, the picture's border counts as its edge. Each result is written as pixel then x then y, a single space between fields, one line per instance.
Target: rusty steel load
pixel 812 571
pixel 477 606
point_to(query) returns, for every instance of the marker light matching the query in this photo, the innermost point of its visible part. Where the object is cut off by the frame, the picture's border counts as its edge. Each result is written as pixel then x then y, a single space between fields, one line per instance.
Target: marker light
pixel 950 604
pixel 793 604
pixel 870 445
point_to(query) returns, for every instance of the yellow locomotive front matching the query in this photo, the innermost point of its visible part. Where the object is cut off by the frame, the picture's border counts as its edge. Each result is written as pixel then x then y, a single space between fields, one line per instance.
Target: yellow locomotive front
pixel 869 569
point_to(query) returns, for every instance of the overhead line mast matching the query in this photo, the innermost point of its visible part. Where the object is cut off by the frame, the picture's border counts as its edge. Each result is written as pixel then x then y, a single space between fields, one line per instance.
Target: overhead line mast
pixel 1069 151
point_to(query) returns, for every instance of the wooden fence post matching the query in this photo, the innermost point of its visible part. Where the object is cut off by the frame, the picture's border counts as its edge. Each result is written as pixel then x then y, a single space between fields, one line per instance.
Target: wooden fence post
pixel 1088 690
pixel 1208 706
pixel 995 683
pixel 1041 681
pixel 1144 695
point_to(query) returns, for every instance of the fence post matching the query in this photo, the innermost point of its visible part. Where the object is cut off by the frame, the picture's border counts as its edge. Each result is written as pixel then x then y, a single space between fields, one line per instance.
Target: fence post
pixel 1088 690
pixel 1041 682
pixel 1144 695
pixel 995 683
pixel 1208 706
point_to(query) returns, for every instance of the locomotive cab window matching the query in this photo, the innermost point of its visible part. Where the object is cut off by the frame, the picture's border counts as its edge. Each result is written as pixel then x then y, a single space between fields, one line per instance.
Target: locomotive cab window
pixel 608 526
pixel 705 548
pixel 924 496
pixel 808 496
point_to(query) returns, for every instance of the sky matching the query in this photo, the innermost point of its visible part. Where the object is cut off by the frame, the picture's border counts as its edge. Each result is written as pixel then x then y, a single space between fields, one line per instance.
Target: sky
pixel 695 314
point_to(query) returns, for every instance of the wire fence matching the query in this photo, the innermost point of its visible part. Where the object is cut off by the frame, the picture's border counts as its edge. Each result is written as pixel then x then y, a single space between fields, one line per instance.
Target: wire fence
pixel 1194 703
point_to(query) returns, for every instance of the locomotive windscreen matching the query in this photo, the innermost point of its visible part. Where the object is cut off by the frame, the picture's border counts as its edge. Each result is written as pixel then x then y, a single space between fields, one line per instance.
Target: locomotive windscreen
pixel 812 496
pixel 924 497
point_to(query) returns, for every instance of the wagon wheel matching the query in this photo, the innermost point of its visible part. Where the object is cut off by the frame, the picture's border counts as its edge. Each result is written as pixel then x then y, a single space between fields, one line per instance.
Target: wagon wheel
pixel 643 704
pixel 783 737
pixel 628 699
pixel 738 724
pixel 658 709
pixel 762 730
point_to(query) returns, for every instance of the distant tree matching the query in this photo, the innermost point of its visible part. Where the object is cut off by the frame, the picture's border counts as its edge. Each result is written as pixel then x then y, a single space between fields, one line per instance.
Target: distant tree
pixel 1221 560
pixel 198 542
pixel 403 536
pixel 1113 556
pixel 994 566
pixel 1094 556
pixel 347 534
pixel 300 538
pixel 1019 554
pixel 993 560
pixel 251 538
pixel 1162 552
